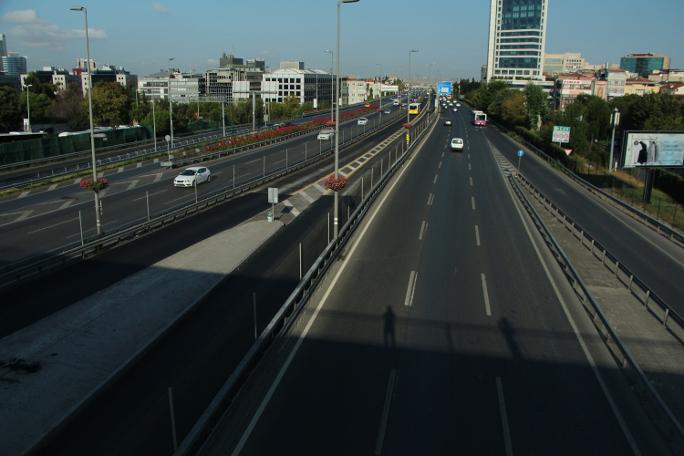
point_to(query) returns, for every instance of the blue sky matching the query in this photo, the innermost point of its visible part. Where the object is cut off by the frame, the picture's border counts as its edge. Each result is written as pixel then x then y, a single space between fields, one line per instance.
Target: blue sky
pixel 450 34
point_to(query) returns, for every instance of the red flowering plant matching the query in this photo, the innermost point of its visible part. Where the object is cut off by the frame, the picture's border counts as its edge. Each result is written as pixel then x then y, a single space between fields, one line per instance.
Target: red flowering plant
pixel 335 183
pixel 100 184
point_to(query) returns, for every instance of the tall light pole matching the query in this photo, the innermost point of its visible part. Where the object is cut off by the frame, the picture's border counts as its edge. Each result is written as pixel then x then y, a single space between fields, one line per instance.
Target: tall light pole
pixel 615 121
pixel 408 87
pixel 96 194
pixel 380 90
pixel 170 105
pixel 28 107
pixel 154 126
pixel 337 118
pixel 332 80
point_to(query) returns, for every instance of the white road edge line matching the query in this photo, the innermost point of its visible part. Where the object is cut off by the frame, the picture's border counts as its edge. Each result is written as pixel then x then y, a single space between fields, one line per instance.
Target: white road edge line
pixel 477 235
pixel 281 373
pixel 590 359
pixel 423 227
pixel 504 417
pixel 485 294
pixel 391 382
pixel 411 288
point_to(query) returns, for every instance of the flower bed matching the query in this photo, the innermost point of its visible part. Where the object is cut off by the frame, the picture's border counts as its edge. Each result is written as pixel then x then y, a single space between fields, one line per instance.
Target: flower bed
pixel 100 184
pixel 335 183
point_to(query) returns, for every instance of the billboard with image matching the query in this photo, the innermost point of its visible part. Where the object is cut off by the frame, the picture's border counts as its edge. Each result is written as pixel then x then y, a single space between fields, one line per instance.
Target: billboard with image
pixel 653 149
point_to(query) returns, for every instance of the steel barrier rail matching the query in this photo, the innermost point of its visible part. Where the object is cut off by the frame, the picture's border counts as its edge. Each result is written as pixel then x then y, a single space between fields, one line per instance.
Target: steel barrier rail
pixel 628 278
pixel 660 227
pixel 665 419
pixel 22 270
pixel 289 311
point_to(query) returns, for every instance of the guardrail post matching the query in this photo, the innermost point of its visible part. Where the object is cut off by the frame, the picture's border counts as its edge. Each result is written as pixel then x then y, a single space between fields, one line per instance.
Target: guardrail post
pixel 80 227
pixel 147 199
pixel 174 437
pixel 372 169
pixel 631 279
pixel 305 151
pixel 286 158
pixel 320 147
pixel 667 314
pixel 254 309
pixel 263 166
pixel 233 176
pixel 362 177
pixel 648 297
pixel 328 227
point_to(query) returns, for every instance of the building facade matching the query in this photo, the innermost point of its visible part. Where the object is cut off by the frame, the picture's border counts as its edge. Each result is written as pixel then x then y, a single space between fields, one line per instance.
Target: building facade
pixel 517 36
pixel 302 84
pixel 59 77
pixel 569 86
pixel 108 73
pixel 645 64
pixel 185 87
pixel 13 64
pixel 641 87
pixel 568 62
pixel 3 49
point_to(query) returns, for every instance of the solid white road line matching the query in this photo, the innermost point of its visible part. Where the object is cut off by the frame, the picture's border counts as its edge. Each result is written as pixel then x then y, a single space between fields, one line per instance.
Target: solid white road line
pixel 411 289
pixel 485 294
pixel 435 180
pixel 472 202
pixel 477 235
pixel 391 382
pixel 281 373
pixel 504 417
pixel 151 194
pixel 423 227
pixel 52 226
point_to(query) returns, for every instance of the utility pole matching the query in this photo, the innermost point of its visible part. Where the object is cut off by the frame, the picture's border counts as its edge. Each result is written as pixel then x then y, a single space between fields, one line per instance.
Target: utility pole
pixel 615 121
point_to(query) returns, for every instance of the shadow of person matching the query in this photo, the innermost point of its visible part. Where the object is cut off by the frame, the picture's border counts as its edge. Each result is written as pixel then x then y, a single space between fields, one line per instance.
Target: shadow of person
pixel 388 332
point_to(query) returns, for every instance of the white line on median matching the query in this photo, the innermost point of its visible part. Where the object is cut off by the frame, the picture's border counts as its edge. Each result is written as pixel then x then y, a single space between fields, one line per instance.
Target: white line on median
pixel 485 294
pixel 306 196
pixel 391 382
pixel 411 289
pixel 157 177
pixel 24 194
pixel 52 187
pixel 477 235
pixel 66 204
pixel 472 202
pixel 504 417
pixel 431 199
pixel 435 180
pixel 423 227
pixel 132 185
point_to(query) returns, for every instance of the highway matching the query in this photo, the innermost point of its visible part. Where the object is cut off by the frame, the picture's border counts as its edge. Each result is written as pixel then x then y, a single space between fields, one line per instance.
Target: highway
pixel 442 333
pixel 43 221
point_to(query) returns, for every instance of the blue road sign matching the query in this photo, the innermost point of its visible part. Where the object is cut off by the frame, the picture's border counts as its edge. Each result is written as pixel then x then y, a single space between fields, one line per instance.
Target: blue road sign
pixel 445 88
pixel 521 153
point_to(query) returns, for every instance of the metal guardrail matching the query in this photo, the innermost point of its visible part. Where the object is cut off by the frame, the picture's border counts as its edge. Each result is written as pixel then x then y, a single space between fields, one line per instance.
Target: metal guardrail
pixel 287 314
pixel 661 414
pixel 31 267
pixel 636 286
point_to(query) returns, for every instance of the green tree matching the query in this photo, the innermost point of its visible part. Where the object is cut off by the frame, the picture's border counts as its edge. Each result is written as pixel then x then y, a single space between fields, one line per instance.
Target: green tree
pixel 111 104
pixel 10 113
pixel 537 105
pixel 513 108
pixel 38 87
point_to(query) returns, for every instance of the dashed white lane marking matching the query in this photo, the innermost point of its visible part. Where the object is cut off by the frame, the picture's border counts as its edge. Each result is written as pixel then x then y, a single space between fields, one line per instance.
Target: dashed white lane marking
pixel 389 393
pixel 52 187
pixel 485 294
pixel 435 180
pixel 23 194
pixel 477 235
pixel 472 202
pixel 440 165
pixel 132 185
pixel 471 181
pixel 52 226
pixel 67 203
pixel 469 168
pixel 442 154
pixel 431 199
pixel 423 227
pixel 306 196
pixel 157 177
pixel 504 417
pixel 411 289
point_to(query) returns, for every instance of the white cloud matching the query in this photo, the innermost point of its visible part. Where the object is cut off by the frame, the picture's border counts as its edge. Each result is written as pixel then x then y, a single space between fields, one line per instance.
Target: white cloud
pixel 32 31
pixel 159 8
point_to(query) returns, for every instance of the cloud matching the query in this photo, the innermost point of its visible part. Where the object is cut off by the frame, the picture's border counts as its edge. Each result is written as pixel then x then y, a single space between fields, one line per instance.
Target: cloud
pixel 32 31
pixel 160 8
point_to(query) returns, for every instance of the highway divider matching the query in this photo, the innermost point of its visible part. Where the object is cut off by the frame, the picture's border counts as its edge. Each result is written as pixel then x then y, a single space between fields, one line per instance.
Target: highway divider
pixel 659 412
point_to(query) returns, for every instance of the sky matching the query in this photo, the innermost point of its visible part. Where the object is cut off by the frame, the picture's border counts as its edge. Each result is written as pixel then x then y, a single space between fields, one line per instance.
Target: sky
pixel 450 35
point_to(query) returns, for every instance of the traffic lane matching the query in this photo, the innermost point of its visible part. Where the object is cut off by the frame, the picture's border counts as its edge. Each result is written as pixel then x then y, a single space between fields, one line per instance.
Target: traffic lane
pixel 657 269
pixel 542 355
pixel 54 230
pixel 27 303
pixel 351 342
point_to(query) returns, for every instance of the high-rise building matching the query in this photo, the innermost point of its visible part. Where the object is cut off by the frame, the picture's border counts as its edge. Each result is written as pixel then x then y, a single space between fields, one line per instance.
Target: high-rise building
pixel 3 48
pixel 13 64
pixel 517 32
pixel 645 64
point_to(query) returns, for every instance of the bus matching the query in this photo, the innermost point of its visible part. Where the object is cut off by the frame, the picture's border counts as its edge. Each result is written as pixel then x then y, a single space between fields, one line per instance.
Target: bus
pixel 414 109
pixel 480 119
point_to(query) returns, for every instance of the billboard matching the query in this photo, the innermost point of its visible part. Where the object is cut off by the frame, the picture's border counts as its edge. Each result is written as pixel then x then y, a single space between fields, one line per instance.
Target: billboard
pixel 653 149
pixel 444 88
pixel 561 134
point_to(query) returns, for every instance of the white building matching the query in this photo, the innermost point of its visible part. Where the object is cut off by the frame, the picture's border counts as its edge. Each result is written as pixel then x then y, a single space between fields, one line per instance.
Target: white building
pixel 107 73
pixel 185 87
pixel 354 91
pixel 298 83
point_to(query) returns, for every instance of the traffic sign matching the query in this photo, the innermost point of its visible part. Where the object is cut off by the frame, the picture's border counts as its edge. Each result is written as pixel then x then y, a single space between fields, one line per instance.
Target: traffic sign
pixel 273 195
pixel 445 88
pixel 521 153
pixel 561 134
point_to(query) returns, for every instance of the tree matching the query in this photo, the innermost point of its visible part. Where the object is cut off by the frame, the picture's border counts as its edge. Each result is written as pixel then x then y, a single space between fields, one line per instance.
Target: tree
pixel 537 105
pixel 111 105
pixel 514 108
pixel 10 114
pixel 370 93
pixel 38 87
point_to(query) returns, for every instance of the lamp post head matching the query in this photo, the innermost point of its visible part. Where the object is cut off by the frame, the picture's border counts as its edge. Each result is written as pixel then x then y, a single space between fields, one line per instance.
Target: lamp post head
pixel 77 8
pixel 348 1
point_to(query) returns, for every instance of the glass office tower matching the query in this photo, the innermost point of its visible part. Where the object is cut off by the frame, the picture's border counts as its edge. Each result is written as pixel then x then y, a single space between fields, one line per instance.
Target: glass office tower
pixel 517 32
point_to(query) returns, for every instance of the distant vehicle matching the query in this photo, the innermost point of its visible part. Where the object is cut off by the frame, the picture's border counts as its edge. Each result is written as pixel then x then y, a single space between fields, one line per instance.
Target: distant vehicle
pixel 366 105
pixel 395 103
pixel 458 104
pixel 480 119
pixel 447 123
pixel 455 109
pixel 414 109
pixel 362 121
pixel 326 134
pixel 388 111
pixel 194 175
pixel 456 144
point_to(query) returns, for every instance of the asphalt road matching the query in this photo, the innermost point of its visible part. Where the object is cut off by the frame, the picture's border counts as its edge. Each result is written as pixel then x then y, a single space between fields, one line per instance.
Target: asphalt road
pixel 40 223
pixel 442 335
pixel 200 353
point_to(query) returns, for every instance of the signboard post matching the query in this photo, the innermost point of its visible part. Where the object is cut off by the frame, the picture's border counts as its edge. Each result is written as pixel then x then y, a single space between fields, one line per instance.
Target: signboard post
pixel 273 199
pixel 520 154
pixel 561 135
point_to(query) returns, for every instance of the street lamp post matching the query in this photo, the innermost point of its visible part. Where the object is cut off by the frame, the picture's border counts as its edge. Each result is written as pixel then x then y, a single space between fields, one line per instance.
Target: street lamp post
pixel 98 221
pixel 615 121
pixel 332 81
pixel 154 127
pixel 337 119
pixel 170 105
pixel 408 87
pixel 380 90
pixel 28 107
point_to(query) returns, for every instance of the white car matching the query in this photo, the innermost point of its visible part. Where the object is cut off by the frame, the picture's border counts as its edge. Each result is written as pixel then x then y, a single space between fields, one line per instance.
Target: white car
pixel 455 109
pixel 458 104
pixel 194 175
pixel 361 121
pixel 326 134
pixel 456 144
pixel 447 123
